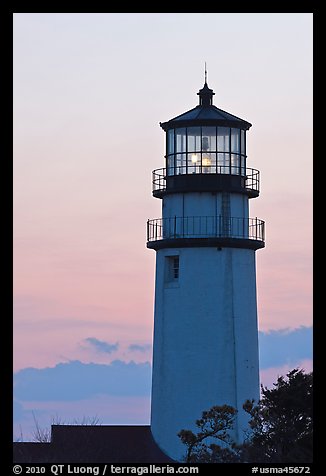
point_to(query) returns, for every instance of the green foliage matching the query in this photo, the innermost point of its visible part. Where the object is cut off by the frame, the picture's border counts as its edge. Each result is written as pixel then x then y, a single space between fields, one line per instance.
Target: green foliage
pixel 282 422
pixel 281 427
pixel 214 424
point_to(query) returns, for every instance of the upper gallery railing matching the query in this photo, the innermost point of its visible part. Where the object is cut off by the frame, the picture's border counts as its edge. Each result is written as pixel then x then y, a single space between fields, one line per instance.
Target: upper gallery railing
pixel 160 175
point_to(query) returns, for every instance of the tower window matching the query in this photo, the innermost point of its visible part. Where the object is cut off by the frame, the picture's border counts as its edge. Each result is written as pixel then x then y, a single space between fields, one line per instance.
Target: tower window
pixel 175 267
pixel 172 269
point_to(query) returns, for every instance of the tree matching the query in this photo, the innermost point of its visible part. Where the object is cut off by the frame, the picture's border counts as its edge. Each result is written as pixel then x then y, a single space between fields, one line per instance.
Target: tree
pixel 281 427
pixel 215 424
pixel 282 422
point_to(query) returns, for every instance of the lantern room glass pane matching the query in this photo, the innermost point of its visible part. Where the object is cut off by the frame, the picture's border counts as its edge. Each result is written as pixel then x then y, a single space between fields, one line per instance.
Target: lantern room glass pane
pixel 243 142
pixel 223 139
pixel 170 147
pixel 242 167
pixel 208 163
pixel 193 139
pixel 180 164
pixel 171 165
pixel 193 163
pixel 209 139
pixel 235 164
pixel 223 163
pixel 180 135
pixel 235 140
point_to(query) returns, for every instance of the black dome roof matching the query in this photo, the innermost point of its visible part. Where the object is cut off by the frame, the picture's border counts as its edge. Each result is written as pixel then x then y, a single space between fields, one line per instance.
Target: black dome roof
pixel 205 114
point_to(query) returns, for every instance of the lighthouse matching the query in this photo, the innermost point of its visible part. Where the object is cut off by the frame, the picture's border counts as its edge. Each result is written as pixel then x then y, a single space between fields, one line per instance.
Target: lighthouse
pixel 205 348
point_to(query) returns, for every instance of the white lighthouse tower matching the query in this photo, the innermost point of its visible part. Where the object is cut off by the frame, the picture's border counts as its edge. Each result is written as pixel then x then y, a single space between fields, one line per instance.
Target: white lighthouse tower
pixel 205 324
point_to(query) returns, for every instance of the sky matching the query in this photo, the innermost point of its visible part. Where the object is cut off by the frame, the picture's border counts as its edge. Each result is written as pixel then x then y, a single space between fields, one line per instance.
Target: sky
pixel 89 92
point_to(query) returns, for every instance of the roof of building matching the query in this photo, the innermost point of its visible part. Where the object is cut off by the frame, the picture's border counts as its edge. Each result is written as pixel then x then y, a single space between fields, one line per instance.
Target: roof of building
pixel 93 444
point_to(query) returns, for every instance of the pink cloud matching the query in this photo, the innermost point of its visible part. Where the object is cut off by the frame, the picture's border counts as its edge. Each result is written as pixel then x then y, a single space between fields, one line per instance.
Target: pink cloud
pixel 270 375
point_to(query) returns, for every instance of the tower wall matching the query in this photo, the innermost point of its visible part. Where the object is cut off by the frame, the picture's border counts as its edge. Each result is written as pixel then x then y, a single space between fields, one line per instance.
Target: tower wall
pixel 205 339
pixel 203 204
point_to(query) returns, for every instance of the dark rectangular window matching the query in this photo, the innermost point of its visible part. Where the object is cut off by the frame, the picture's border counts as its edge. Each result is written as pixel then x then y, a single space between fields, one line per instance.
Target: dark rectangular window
pixel 175 267
pixel 172 269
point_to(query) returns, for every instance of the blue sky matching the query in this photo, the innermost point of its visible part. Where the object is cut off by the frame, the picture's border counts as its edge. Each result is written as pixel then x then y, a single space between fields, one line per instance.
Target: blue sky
pixel 74 390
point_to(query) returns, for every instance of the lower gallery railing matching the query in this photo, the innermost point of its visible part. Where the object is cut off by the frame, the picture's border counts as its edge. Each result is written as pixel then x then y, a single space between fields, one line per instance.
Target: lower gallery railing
pixel 205 227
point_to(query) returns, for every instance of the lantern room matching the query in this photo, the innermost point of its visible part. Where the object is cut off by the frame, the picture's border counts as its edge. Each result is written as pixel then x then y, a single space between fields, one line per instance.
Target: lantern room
pixel 205 150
